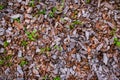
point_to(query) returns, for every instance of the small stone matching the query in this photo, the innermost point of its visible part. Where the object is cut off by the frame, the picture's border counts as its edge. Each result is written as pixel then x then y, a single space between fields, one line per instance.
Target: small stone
pixel 7 71
pixel 55 71
pixel 37 50
pixel 99 47
pixel 19 69
pixel 2 31
pixel 28 16
pixel 1 42
pixel 2 50
pixel 19 53
pixel 87 34
pixel 35 71
pixel 54 57
pixel 105 58
pixel 16 16
pixel 78 57
pixel 29 10
pixel 19 1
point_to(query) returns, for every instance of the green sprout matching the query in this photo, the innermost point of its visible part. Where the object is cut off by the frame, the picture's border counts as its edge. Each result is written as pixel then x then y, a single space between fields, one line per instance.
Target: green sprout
pixel 54 9
pixel 1 62
pixel 42 50
pixel 31 3
pixel 52 12
pixel 45 49
pixel 1 7
pixel 88 1
pixel 116 42
pixel 45 78
pixel 24 43
pixel 113 31
pixel 31 35
pixel 42 12
pixel 6 60
pixel 23 62
pixel 6 44
pixel 57 78
pixel 17 19
pixel 76 22
pixel 58 47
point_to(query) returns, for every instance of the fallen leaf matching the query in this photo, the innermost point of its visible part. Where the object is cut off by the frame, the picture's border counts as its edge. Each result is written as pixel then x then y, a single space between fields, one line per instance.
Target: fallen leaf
pixel 18 25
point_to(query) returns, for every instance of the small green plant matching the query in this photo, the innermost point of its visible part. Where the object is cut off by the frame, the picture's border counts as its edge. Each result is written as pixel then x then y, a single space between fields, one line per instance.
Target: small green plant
pixel 17 19
pixel 6 60
pixel 57 78
pixel 1 62
pixel 113 31
pixel 31 35
pixel 88 1
pixel 23 62
pixel 42 12
pixel 116 42
pixel 76 22
pixel 45 77
pixel 6 44
pixel 58 47
pixel 42 50
pixel 24 43
pixel 52 12
pixel 32 3
pixel 45 49
pixel 1 7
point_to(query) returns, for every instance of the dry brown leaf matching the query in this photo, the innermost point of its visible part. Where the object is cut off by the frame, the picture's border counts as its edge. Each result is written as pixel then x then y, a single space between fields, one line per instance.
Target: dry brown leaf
pixel 18 25
pixel 73 51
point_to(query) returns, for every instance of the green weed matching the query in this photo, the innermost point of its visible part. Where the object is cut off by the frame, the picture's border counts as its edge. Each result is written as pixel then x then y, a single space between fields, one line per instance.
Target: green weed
pixel 57 78
pixel 23 62
pixel 24 43
pixel 116 42
pixel 1 62
pixel 42 12
pixel 1 7
pixel 58 47
pixel 88 1
pixel 17 19
pixel 6 60
pixel 32 3
pixel 45 49
pixel 113 31
pixel 76 22
pixel 32 35
pixel 6 44
pixel 52 12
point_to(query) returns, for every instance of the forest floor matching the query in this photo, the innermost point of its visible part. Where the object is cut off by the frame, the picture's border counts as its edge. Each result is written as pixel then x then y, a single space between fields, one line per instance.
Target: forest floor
pixel 59 39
